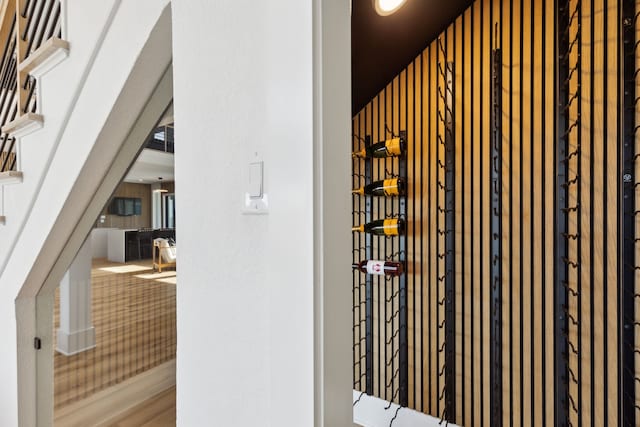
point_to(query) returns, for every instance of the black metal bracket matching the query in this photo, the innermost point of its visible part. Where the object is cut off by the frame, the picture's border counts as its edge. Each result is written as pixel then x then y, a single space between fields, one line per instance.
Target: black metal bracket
pixel 627 239
pixel 561 223
pixel 446 228
pixel 450 246
pixel 495 267
pixel 402 257
pixel 368 176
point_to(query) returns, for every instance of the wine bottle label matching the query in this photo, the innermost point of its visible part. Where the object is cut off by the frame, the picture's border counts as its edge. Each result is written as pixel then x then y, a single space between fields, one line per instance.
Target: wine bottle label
pixel 393 147
pixel 390 227
pixel 375 267
pixel 390 187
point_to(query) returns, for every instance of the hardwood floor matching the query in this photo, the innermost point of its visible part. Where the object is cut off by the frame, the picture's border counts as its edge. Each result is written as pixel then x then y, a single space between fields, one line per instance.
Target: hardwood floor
pixel 134 315
pixel 159 411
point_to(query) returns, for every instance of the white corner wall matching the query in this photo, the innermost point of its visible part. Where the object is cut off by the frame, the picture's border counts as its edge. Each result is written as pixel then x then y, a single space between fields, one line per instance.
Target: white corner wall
pixel 244 76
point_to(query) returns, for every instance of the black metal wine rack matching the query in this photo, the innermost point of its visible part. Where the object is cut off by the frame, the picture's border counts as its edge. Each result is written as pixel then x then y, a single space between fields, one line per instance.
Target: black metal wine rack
pixel 384 298
pixel 495 215
pixel 628 213
pixel 362 333
pixel 567 243
pixel 446 250
pixel 523 283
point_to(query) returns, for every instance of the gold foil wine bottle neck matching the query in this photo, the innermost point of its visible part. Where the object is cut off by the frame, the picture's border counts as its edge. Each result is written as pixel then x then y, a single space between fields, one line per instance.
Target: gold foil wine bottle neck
pixel 361 154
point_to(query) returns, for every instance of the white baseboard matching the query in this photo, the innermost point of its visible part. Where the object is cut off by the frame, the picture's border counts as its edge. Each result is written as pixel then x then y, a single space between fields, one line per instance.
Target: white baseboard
pixel 370 412
pixel 76 342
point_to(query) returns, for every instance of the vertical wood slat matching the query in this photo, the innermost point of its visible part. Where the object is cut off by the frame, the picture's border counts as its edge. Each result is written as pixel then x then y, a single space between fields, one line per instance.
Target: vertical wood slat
pixel 465 260
pixel 527 285
pixel 612 174
pixel 476 176
pixel 586 185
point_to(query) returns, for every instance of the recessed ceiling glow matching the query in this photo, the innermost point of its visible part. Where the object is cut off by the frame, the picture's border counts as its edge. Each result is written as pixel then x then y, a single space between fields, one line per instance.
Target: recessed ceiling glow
pixel 387 7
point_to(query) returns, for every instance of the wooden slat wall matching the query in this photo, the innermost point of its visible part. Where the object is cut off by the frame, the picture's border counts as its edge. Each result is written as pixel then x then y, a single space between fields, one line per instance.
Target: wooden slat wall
pixel 127 189
pixel 525 31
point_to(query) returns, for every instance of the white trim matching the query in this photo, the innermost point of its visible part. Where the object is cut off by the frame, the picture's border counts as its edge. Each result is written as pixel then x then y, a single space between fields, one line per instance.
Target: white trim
pixel 63 19
pixel 333 366
pixel 370 411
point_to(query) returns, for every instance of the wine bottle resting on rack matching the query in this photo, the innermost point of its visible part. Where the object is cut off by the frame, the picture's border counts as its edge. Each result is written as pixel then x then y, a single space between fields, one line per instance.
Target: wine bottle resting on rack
pixel 383 227
pixel 385 187
pixel 371 266
pixel 389 148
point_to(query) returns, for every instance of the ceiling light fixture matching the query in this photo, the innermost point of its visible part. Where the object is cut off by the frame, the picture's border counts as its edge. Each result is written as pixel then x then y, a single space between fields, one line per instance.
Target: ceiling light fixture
pixel 387 7
pixel 160 190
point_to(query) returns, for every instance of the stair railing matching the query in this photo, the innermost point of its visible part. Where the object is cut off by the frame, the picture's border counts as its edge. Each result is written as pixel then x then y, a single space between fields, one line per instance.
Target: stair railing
pixel 25 26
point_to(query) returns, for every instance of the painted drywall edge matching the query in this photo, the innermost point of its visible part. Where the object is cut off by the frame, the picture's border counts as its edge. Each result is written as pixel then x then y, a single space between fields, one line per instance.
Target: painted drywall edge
pixel 370 412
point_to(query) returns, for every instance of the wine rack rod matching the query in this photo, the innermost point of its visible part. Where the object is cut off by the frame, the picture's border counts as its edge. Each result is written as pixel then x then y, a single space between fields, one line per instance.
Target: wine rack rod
pixel 450 248
pixel 628 250
pixel 567 211
pixel 446 234
pixel 403 295
pixel 357 252
pixel 495 268
pixel 368 177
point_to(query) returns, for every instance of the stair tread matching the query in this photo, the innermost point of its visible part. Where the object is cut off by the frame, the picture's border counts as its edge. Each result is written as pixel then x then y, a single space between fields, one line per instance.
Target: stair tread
pixel 24 124
pixel 10 177
pixel 43 53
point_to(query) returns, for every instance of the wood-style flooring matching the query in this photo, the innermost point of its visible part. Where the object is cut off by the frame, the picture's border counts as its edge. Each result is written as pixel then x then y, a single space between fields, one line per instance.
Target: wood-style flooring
pixel 159 411
pixel 134 315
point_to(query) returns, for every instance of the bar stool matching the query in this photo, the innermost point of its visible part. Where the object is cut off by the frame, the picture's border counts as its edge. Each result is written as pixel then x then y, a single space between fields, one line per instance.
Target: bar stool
pixel 145 243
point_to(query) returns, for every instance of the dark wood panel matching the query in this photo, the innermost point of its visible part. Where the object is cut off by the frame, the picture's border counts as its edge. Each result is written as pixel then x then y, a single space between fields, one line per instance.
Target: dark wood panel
pixel 127 189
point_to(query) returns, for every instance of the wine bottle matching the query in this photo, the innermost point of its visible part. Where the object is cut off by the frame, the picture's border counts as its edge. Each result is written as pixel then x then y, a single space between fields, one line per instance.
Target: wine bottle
pixel 389 268
pixel 383 227
pixel 389 148
pixel 385 187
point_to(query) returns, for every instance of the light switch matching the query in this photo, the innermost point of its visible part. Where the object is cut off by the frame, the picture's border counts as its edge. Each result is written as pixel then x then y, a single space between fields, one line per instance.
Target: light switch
pixel 255 180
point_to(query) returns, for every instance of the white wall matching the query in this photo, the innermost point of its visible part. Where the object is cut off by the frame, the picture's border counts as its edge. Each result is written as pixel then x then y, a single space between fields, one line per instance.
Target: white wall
pixel 244 84
pixel 99 242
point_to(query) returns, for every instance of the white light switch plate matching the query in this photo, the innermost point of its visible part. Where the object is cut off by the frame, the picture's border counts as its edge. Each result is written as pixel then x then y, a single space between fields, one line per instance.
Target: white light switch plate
pixel 255 180
pixel 256 201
